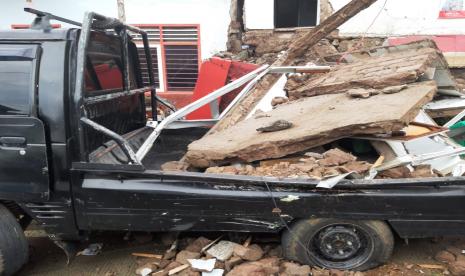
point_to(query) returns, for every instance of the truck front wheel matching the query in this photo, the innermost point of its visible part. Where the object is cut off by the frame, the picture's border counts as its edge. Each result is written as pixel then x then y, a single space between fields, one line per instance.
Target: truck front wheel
pixel 339 244
pixel 14 249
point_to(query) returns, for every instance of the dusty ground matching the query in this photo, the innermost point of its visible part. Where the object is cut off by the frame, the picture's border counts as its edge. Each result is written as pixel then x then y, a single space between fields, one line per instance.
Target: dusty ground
pixel 116 259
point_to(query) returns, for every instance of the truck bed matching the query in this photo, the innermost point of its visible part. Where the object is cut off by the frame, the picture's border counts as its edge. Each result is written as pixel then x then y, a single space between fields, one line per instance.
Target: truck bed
pixel 154 200
pixel 170 146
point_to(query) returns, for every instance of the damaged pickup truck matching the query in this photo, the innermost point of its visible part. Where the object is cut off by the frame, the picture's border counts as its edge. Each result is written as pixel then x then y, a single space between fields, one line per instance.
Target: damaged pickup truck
pixel 77 154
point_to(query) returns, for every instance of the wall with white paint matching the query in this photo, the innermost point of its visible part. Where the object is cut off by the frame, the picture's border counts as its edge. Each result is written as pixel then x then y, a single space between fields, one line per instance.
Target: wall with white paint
pixel 398 17
pixel 259 14
pixel 11 12
pixel 401 17
pixel 212 15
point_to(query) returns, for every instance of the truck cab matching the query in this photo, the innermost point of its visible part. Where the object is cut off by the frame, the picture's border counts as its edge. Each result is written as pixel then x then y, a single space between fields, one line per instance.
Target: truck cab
pixel 38 141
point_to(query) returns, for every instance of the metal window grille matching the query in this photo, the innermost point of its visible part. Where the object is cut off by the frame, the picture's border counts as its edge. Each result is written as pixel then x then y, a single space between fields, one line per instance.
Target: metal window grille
pixel 175 54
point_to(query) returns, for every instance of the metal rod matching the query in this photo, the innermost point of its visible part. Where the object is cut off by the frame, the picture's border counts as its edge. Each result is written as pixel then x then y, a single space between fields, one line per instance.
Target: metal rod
pixel 79 110
pixel 52 16
pixel 243 92
pixel 78 95
pixel 111 96
pixel 300 69
pixel 148 57
pixel 123 143
pixel 454 120
pixel 148 143
pixel 125 47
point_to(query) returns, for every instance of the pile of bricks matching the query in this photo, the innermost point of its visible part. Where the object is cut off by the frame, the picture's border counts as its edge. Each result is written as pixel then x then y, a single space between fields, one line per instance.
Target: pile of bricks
pixel 204 257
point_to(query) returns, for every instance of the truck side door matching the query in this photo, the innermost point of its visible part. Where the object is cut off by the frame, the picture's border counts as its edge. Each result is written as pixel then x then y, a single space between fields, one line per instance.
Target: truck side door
pixel 23 151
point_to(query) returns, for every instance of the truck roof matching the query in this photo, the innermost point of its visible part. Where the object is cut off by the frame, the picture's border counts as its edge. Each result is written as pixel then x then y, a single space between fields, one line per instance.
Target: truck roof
pixel 30 34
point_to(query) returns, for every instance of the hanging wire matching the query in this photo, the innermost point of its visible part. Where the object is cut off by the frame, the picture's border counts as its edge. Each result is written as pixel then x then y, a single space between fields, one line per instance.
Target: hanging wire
pixel 360 43
pixel 284 222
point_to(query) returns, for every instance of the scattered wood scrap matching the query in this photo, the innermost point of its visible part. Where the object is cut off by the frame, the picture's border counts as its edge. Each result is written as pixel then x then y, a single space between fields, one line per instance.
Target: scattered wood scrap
pixel 147 255
pixel 315 121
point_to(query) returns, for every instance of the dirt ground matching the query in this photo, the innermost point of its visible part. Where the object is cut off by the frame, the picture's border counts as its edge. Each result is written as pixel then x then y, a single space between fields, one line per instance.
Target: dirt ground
pixel 115 259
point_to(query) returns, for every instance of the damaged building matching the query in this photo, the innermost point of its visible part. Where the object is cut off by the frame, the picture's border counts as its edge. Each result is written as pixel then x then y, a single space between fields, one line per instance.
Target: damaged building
pixel 257 32
pixel 335 135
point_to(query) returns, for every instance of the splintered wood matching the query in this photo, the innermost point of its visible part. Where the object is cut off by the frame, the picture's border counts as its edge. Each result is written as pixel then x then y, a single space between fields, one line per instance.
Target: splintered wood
pixel 315 121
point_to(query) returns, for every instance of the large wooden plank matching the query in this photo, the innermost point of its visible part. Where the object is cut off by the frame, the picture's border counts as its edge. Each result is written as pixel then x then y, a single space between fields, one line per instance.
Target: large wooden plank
pixel 316 121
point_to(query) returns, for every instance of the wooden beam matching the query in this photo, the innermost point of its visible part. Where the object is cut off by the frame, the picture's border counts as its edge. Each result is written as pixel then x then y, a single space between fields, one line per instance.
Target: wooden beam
pixel 240 110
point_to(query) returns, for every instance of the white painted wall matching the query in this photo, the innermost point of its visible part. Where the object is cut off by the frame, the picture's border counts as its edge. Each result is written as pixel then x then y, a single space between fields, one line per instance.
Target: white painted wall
pixel 11 12
pixel 212 15
pixel 399 17
pixel 259 14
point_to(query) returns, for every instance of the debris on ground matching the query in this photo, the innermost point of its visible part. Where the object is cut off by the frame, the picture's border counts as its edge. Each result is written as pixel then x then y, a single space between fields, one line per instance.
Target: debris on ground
pixel 223 258
pixel 92 250
pixel 256 257
pixel 453 258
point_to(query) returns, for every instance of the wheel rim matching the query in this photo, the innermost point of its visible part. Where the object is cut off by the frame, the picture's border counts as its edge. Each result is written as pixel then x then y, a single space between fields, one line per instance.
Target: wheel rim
pixel 340 246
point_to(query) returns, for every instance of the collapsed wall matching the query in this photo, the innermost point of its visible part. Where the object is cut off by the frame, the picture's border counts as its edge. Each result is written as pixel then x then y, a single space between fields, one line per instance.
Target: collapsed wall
pixel 262 46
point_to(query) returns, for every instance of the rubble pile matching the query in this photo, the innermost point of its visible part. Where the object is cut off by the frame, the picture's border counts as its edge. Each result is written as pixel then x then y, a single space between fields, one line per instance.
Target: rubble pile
pixel 264 46
pixel 204 257
pixel 316 121
pixel 402 101
pixel 310 165
pixel 454 258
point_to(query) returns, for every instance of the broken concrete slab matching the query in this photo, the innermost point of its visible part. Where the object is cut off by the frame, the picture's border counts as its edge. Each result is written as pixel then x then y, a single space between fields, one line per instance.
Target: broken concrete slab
pixel 392 69
pixel 316 121
pixel 296 49
pixel 438 70
pixel 202 265
pixel 222 251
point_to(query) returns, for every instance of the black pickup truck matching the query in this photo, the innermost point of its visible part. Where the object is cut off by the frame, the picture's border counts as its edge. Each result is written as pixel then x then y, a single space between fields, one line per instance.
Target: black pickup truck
pixel 73 116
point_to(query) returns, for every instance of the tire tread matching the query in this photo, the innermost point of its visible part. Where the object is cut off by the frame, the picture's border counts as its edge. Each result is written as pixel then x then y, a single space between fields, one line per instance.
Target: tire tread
pixel 293 250
pixel 14 247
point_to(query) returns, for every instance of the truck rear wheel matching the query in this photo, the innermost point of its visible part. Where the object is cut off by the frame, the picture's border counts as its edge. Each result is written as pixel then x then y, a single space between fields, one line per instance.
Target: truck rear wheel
pixel 14 249
pixel 339 244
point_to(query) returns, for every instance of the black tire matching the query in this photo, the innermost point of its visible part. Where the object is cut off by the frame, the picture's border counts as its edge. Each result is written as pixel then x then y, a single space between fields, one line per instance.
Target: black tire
pixel 339 244
pixel 14 249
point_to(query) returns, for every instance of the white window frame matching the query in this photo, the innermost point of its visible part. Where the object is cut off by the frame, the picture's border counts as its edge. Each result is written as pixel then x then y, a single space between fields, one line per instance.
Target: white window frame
pixel 161 75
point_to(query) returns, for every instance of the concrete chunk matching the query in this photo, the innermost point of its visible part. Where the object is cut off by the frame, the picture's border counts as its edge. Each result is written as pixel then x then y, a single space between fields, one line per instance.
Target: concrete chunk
pixel 250 253
pixel 222 251
pixel 391 69
pixel 316 121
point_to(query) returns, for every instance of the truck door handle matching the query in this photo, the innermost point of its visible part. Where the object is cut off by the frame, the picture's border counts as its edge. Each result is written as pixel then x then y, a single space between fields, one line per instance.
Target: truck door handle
pixel 12 141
